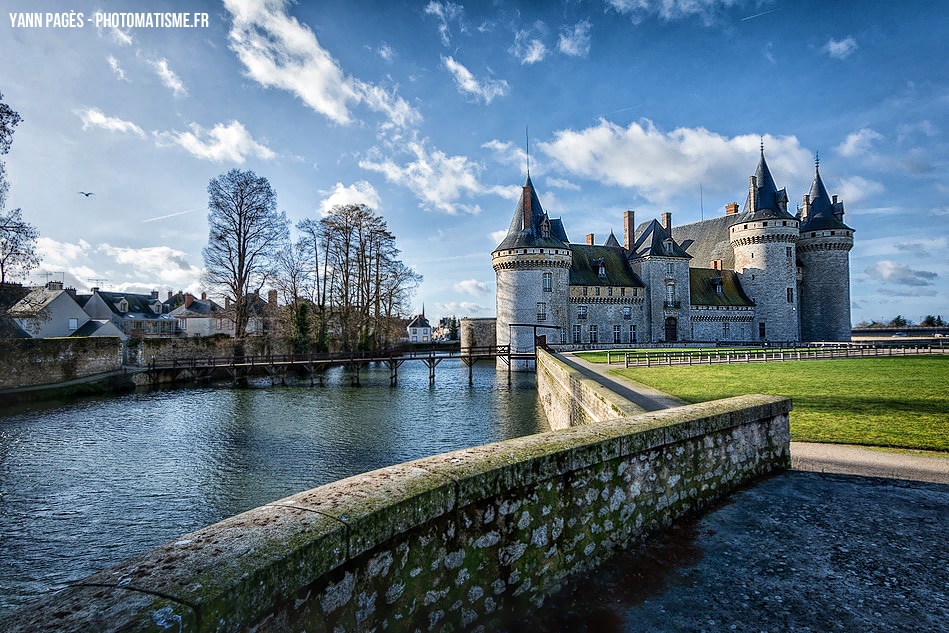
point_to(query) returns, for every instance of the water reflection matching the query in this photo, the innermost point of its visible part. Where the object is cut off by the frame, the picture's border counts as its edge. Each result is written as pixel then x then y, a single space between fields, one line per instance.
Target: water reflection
pixel 86 484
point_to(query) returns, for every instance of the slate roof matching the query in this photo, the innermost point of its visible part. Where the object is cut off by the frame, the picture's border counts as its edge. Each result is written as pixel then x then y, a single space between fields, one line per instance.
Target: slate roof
pixel 34 302
pixel 89 328
pixel 708 240
pixel 139 305
pixel 702 288
pixel 652 242
pixel 419 321
pixel 770 203
pixel 824 213
pixel 585 267
pixel 520 236
pixel 198 308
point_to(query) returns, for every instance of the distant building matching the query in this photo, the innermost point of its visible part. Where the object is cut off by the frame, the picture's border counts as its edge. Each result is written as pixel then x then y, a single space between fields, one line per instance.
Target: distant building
pixel 419 329
pixel 136 315
pixel 761 275
pixel 200 317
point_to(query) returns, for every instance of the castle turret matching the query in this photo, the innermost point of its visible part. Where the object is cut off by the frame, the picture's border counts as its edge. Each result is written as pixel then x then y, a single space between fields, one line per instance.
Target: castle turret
pixel 823 252
pixel 764 237
pixel 532 267
pixel 663 266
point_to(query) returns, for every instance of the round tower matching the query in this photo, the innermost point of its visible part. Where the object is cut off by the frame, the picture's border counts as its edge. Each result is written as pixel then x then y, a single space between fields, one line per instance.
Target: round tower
pixel 532 266
pixel 823 253
pixel 764 238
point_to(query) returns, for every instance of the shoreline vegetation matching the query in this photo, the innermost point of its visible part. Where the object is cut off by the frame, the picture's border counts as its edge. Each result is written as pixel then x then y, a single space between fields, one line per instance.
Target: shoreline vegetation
pixel 898 402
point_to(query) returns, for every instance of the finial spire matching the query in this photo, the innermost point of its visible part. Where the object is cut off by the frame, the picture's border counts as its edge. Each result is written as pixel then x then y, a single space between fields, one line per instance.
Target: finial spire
pixel 527 145
pixel 817 160
pixel 762 144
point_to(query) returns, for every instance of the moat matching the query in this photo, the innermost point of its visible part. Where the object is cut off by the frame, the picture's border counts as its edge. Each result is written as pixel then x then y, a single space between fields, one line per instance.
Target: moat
pixel 87 484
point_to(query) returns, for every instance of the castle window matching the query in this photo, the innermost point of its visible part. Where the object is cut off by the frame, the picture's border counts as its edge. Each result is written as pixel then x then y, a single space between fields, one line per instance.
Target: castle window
pixel 725 329
pixel 594 334
pixel 617 334
pixel 602 273
pixel 761 330
pixel 584 291
pixel 785 223
pixel 718 286
pixel 632 333
pixel 831 232
pixel 576 333
pixel 670 293
pixel 790 295
pixel 669 268
pixel 787 250
pixel 581 313
pixel 764 224
pixel 627 313
pixel 609 291
pixel 541 311
pixel 596 291
pixel 548 282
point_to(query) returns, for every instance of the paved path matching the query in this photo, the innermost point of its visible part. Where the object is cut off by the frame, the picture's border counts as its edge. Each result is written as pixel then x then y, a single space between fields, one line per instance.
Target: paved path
pixel 807 550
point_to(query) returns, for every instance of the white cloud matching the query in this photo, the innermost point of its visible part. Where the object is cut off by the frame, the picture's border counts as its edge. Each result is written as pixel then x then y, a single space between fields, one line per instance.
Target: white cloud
pixel 575 41
pixel 498 236
pixel 360 192
pixel 231 142
pixel 707 10
pixel 485 90
pixel 662 165
pixel 93 117
pixel 437 179
pixel 114 65
pixel 840 49
pixel 279 52
pixel 153 264
pixel 528 49
pixel 562 183
pixel 446 13
pixel 854 190
pixel 892 272
pixel 57 254
pixel 168 77
pixel 472 287
pixel 464 309
pixel 121 37
pixel 507 153
pixel 859 142
pixel 386 53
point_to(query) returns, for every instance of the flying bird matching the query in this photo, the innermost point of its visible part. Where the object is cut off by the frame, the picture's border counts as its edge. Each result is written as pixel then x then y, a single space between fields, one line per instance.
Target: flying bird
pixel 87 193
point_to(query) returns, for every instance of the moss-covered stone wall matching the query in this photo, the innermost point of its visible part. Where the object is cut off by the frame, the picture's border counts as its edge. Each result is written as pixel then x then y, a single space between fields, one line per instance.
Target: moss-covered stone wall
pixel 32 362
pixel 438 544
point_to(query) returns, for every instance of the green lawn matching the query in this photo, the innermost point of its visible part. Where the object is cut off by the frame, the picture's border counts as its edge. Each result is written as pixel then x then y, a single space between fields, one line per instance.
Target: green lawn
pixel 895 402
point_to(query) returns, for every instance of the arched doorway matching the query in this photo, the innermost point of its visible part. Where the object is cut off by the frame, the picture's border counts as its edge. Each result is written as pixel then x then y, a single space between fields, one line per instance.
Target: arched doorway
pixel 672 329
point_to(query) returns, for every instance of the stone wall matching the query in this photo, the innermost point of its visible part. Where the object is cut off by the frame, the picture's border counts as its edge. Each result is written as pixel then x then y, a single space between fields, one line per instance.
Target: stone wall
pixel 478 333
pixel 438 544
pixel 571 399
pixel 140 351
pixel 37 362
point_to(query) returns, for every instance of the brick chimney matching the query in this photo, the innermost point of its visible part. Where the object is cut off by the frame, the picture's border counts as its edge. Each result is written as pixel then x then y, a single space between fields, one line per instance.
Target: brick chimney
pixel 189 299
pixel 629 230
pixel 752 194
pixel 170 295
pixel 227 302
pixel 204 296
pixel 590 239
pixel 731 208
pixel 667 222
pixel 526 204
pixel 155 295
pixel 272 297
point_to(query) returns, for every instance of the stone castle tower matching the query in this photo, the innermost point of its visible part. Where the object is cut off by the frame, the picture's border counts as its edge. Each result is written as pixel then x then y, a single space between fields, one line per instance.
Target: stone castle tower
pixel 823 252
pixel 764 239
pixel 532 266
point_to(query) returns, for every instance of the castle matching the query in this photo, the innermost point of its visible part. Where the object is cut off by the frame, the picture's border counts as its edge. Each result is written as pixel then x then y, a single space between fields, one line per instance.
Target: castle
pixel 761 274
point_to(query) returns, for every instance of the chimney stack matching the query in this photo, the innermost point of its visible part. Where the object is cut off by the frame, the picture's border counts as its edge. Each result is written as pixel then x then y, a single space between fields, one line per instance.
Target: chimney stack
pixel 731 208
pixel 526 204
pixel 590 239
pixel 272 297
pixel 154 294
pixel 835 198
pixel 629 229
pixel 667 222
pixel 227 302
pixel 752 194
pixel 204 296
pixel 170 295
pixel 189 299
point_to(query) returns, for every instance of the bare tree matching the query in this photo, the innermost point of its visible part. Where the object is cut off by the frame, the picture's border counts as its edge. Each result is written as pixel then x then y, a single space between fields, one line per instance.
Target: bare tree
pixel 17 236
pixel 17 246
pixel 246 233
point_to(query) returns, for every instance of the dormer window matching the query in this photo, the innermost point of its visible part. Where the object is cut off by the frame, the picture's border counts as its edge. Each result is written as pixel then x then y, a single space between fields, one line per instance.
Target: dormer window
pixel 122 305
pixel 667 245
pixel 602 273
pixel 718 286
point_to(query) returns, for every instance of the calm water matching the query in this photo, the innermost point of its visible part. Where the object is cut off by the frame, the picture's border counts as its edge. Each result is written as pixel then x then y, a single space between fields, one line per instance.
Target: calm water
pixel 87 484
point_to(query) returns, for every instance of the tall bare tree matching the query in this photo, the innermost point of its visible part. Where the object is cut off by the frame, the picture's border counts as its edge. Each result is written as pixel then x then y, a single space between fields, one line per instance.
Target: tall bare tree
pixel 246 233
pixel 17 236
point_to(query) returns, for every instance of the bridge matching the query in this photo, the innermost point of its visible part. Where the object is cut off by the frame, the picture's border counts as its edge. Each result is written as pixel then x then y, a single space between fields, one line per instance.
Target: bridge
pixel 313 366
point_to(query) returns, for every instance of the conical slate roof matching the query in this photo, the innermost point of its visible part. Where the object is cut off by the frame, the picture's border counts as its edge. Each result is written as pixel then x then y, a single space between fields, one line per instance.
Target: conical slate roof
pixel 770 202
pixel 521 234
pixel 823 213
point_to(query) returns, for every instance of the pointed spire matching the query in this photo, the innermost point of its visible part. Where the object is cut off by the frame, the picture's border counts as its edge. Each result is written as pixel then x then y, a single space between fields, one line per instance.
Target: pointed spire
pixel 763 193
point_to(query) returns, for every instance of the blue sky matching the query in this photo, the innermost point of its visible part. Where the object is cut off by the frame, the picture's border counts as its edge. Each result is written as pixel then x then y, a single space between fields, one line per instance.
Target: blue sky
pixel 419 110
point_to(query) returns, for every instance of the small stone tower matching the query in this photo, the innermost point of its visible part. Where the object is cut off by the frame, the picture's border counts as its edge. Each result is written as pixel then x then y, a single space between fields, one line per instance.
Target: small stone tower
pixel 764 237
pixel 532 266
pixel 823 252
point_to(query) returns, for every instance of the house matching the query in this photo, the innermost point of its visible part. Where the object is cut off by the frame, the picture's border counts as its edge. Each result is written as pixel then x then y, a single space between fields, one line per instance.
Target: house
pixel 135 315
pixel 760 275
pixel 200 317
pixel 419 329
pixel 49 311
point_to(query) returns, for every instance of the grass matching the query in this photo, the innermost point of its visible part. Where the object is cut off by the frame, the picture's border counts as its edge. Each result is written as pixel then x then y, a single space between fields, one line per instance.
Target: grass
pixel 893 402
